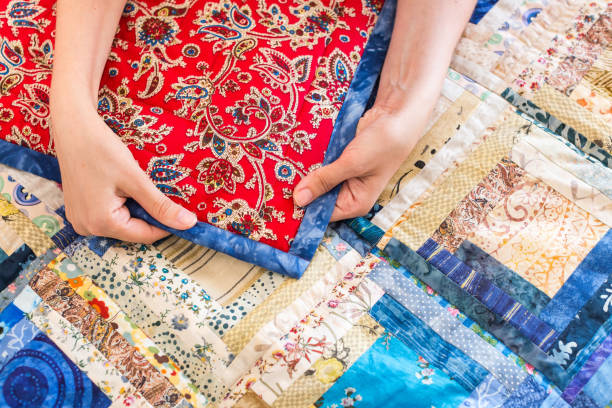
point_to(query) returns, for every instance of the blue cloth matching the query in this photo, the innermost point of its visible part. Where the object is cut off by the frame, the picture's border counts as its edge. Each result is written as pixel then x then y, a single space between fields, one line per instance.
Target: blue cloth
pixel 490 295
pixel 408 381
pixel 599 387
pixel 40 375
pixel 17 337
pixel 509 281
pixel 482 8
pixel 3 255
pixel 591 323
pixel 14 264
pixel 409 262
pixel 529 394
pixel 588 277
pixel 9 318
pixel 398 321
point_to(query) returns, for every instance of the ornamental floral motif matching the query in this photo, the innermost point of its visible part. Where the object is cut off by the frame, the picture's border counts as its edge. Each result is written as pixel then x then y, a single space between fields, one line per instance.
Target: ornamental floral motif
pixel 237 217
pixel 216 174
pixel 124 118
pixel 100 307
pixel 166 173
pixel 426 374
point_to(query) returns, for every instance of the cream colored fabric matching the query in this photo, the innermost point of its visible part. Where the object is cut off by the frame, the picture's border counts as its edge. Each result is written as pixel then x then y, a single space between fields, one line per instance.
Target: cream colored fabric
pixel 593 127
pixel 309 387
pixel 415 230
pixel 224 277
pixel 445 127
pixel 240 335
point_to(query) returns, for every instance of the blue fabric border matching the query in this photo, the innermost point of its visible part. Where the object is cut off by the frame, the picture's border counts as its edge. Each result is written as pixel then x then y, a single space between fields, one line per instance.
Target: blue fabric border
pixel 317 215
pixel 319 211
pixel 22 158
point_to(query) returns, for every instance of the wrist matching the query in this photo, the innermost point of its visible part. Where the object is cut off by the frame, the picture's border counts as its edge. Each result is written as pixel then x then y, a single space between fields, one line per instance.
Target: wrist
pixel 70 93
pixel 400 97
pixel 70 117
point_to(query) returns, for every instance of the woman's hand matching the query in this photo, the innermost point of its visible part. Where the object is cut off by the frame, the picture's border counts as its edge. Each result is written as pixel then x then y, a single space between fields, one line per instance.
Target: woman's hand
pixel 424 36
pixel 99 174
pixel 98 171
pixel 382 142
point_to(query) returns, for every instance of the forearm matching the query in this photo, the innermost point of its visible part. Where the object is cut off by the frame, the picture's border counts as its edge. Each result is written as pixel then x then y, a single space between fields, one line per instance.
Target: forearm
pixel 425 34
pixel 84 34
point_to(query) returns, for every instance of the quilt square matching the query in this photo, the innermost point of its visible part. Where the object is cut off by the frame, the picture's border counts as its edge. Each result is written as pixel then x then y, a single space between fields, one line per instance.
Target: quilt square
pixel 539 234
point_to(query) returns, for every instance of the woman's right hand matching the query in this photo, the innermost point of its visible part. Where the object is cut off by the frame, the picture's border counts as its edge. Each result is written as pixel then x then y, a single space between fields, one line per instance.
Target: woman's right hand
pixel 99 173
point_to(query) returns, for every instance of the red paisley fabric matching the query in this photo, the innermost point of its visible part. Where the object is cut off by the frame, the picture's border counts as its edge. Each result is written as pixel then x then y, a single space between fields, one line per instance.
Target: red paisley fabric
pixel 226 105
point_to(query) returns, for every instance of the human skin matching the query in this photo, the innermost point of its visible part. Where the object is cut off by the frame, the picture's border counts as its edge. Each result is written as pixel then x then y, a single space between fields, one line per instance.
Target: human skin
pixel 99 172
pixel 425 34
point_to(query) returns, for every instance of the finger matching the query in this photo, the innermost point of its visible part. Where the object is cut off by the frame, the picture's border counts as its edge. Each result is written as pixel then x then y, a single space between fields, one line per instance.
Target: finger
pixel 356 198
pixel 131 229
pixel 159 206
pixel 322 180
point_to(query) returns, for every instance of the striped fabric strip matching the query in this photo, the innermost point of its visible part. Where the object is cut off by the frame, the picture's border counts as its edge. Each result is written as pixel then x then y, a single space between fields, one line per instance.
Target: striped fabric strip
pixel 421 338
pixel 489 294
pixel 589 368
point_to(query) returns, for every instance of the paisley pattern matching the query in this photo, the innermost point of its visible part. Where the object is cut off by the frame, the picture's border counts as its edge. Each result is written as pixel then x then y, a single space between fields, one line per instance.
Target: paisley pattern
pixel 225 104
pixel 155 388
pixel 507 303
pixel 473 208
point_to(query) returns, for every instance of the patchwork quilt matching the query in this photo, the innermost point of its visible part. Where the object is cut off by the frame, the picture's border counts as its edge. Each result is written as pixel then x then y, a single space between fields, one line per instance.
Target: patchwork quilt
pixel 481 278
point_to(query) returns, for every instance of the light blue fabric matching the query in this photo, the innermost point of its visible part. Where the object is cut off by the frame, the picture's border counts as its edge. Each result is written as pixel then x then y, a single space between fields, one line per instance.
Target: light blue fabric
pixel 529 394
pixel 17 338
pixel 390 374
pixel 489 394
pixel 599 387
pixel 554 400
pixel 415 334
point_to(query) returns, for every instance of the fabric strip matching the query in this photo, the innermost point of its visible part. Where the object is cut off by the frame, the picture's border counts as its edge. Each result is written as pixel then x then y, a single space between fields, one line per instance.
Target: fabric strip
pixel 447 327
pixel 492 297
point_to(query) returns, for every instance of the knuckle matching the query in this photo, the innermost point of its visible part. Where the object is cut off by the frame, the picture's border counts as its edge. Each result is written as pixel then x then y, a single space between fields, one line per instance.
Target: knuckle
pixel 162 206
pixel 322 181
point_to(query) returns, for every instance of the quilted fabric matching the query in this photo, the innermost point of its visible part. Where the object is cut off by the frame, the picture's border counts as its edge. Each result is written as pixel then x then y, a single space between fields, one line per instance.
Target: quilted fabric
pixel 225 106
pixel 481 278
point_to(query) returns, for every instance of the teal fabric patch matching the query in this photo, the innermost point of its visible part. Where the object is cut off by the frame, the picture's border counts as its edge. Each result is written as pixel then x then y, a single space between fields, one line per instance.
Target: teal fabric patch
pixel 392 375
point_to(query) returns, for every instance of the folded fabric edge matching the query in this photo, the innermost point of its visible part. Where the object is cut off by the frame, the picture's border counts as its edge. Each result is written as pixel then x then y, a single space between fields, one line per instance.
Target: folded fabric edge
pixel 319 212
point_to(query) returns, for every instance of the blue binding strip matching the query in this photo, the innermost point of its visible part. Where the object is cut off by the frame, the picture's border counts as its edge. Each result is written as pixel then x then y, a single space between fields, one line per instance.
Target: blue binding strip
pixel 319 211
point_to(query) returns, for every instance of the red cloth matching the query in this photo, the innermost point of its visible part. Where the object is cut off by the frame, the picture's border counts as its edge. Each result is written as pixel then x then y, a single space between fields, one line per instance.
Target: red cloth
pixel 225 105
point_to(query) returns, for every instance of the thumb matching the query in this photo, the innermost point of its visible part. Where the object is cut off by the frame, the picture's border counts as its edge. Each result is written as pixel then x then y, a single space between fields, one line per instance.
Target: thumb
pixel 159 206
pixel 321 181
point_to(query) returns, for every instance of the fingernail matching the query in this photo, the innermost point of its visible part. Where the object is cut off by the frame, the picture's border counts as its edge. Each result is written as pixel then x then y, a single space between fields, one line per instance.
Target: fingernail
pixel 302 197
pixel 186 217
